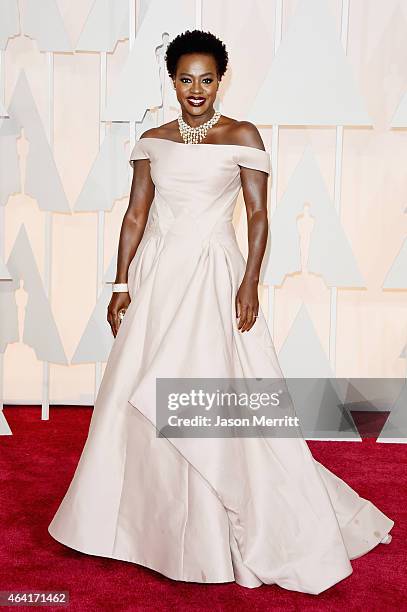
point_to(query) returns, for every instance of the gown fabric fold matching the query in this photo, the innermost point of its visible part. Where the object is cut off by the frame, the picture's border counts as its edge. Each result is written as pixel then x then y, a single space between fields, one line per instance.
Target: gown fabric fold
pixel 249 510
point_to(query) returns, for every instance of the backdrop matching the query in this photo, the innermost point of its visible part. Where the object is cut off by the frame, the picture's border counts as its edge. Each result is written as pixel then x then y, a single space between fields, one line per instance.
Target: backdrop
pixel 324 80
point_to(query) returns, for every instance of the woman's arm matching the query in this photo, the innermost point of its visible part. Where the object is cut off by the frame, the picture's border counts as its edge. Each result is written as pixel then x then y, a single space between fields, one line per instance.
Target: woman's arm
pixel 254 186
pixel 131 233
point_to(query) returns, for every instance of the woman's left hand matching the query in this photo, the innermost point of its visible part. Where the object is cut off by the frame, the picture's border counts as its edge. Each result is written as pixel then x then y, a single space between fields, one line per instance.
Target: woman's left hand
pixel 247 304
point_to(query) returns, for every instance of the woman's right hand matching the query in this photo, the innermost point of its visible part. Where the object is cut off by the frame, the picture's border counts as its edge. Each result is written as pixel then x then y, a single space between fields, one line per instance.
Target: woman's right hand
pixel 118 301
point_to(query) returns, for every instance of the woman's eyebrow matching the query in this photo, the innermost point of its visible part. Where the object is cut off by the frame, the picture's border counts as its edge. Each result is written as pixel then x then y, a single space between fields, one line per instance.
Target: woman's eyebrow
pixel 187 74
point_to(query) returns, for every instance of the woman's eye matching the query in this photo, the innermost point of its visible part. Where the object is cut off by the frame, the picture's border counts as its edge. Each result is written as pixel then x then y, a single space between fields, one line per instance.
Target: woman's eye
pixel 207 80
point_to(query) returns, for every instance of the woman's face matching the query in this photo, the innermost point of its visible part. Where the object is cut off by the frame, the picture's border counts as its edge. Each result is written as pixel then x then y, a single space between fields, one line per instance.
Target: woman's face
pixel 196 84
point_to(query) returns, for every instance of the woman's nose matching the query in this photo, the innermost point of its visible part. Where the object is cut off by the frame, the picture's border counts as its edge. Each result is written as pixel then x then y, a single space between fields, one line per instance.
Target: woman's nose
pixel 196 87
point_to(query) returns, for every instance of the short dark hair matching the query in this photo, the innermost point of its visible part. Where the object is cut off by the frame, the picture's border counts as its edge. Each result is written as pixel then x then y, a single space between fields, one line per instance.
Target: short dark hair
pixel 196 41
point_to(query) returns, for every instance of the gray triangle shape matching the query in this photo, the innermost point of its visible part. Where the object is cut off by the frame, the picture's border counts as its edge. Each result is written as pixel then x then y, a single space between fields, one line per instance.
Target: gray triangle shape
pixel 4 272
pixel 330 253
pixel 97 339
pixel 40 330
pixel 9 316
pixel 10 176
pixel 3 112
pixel 292 353
pixel 110 273
pixel 316 395
pixel 108 179
pixel 43 182
pixel 4 426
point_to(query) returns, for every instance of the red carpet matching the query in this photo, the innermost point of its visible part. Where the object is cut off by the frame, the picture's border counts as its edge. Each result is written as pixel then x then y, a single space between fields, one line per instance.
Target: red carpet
pixel 37 464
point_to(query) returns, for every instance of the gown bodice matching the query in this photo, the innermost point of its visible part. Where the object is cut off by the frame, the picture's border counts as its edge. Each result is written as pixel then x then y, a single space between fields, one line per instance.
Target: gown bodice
pixel 196 185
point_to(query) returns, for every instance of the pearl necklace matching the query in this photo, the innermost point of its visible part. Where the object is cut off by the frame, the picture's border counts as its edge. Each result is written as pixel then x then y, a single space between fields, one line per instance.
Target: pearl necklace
pixel 194 135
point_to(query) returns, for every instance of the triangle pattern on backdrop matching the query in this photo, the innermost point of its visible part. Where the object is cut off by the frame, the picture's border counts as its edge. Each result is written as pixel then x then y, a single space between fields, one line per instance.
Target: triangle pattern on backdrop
pixel 4 426
pixel 3 112
pixel 108 178
pixel 9 21
pixel 97 339
pixel 107 22
pixel 4 273
pixel 10 176
pixel 310 81
pixel 317 396
pixel 396 277
pixel 40 330
pixel 43 182
pixel 330 253
pixel 42 21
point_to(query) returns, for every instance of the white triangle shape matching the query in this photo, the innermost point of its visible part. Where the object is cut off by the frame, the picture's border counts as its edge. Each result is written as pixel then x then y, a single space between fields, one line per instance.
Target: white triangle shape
pixel 4 272
pixel 42 21
pixel 310 81
pixel 9 21
pixel 43 182
pixel 110 273
pixel 301 354
pixel 40 330
pixel 10 175
pixel 3 112
pixel 97 339
pixel 107 22
pixel 9 316
pixel 108 178
pixel 4 426
pixel 330 253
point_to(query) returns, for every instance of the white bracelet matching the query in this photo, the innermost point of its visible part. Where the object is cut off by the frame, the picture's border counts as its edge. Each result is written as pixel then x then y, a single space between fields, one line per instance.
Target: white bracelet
pixel 120 288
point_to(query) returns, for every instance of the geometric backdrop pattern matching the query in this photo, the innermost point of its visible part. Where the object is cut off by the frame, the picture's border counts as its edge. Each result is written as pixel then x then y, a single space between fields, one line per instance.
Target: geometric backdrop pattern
pixel 319 76
pixel 329 251
pixel 42 181
pixel 40 330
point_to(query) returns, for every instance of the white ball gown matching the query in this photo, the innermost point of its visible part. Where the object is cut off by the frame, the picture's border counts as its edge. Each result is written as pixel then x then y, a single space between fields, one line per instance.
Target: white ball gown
pixel 248 510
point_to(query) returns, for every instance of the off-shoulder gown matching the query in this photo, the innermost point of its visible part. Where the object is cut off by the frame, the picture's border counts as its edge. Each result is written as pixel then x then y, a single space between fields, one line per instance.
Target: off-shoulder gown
pixel 249 510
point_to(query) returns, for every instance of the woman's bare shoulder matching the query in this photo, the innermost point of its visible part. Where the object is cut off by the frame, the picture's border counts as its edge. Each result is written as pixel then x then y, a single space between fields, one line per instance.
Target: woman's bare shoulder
pixel 247 134
pixel 167 131
pixel 241 133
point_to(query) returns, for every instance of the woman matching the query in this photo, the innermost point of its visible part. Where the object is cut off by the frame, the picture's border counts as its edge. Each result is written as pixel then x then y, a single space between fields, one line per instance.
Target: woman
pixel 250 510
